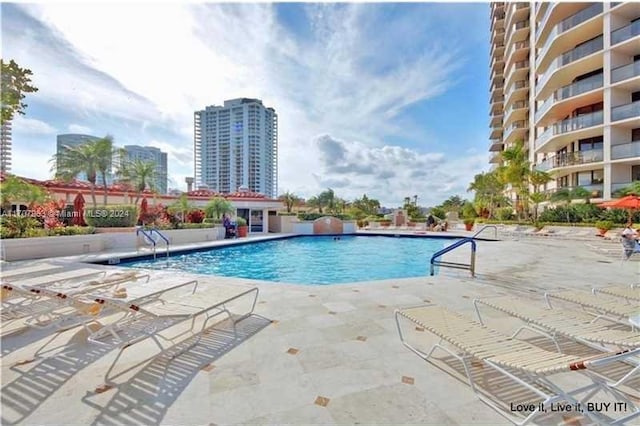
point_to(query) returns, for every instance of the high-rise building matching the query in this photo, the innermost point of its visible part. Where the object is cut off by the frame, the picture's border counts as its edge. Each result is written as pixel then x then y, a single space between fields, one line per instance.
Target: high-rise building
pixel 236 145
pixel 73 140
pixel 5 147
pixel 154 155
pixel 565 79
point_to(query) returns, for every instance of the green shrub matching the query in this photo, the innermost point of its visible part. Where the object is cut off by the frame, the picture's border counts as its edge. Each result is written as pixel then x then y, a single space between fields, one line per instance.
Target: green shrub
pixel 72 230
pixel 314 216
pixel 196 225
pixel 241 221
pixel 604 224
pixel 111 216
pixel 439 212
pixel 18 226
pixel 287 214
pixel 504 213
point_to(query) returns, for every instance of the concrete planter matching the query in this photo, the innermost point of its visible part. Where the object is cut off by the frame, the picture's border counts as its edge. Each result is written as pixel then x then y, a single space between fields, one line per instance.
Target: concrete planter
pixel 186 236
pixel 42 247
pixel 115 230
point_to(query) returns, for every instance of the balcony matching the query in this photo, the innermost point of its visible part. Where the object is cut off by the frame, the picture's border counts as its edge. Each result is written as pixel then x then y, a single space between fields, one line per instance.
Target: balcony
pixel 567 24
pixel 625 33
pixel 495 47
pixel 520 85
pixel 521 45
pixel 569 57
pixel 545 18
pixel 495 145
pixel 569 91
pixel 571 159
pixel 516 29
pixel 595 189
pixel 625 150
pixel 625 72
pixel 520 105
pixel 496 121
pixel 623 112
pixel 570 125
pixel 617 186
pixel 495 158
pixel 516 125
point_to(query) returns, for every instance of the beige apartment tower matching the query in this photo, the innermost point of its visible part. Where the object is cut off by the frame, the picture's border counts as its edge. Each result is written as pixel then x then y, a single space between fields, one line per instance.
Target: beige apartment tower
pixel 565 79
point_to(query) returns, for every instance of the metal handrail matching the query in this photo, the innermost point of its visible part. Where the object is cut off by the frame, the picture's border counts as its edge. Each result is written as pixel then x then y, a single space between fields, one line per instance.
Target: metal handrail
pixel 471 266
pixel 495 228
pixel 149 238
pixel 166 240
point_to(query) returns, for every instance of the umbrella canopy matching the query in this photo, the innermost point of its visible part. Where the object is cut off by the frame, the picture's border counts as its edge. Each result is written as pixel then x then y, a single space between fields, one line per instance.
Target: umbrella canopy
pixel 78 210
pixel 630 202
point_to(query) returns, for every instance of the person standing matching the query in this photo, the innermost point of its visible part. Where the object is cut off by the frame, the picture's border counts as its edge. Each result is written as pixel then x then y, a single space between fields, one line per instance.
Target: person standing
pixel 629 239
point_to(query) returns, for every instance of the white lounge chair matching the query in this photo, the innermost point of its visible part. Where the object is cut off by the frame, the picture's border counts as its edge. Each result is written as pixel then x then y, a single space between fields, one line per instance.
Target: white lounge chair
pixel 576 325
pixel 630 292
pixel 17 296
pixel 602 306
pixel 523 363
pixel 10 273
pixel 147 316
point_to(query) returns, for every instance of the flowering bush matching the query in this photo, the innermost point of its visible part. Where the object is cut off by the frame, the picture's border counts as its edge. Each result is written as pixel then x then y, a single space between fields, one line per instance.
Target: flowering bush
pixel 48 213
pixel 195 216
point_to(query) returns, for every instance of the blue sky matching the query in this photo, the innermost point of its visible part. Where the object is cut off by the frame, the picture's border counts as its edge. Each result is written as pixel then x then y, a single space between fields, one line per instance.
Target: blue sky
pixel 387 99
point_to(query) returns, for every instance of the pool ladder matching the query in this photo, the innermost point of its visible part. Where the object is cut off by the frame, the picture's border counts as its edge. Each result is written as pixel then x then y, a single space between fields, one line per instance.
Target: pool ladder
pixel 148 237
pixel 471 266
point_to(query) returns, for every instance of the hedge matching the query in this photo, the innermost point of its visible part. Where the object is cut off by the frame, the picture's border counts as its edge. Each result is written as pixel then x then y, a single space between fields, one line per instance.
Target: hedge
pixel 123 216
pixel 314 216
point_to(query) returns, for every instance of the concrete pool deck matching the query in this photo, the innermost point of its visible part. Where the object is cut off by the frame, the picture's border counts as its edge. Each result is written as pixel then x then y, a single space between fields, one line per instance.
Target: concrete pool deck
pixel 310 355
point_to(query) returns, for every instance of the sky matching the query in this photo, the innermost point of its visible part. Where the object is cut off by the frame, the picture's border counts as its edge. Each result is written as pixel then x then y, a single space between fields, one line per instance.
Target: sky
pixel 384 99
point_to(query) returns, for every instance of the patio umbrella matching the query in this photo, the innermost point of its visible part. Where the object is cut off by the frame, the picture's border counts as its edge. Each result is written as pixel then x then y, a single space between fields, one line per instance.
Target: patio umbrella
pixel 630 202
pixel 78 211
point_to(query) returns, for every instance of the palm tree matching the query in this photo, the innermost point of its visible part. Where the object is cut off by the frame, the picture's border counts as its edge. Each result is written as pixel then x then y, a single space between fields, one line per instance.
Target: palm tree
pixel 103 151
pixel 139 174
pixel 516 171
pixel 217 207
pixel 328 198
pixel 632 189
pixel 182 205
pixel 315 202
pixel 73 160
pixel 488 190
pixel 289 199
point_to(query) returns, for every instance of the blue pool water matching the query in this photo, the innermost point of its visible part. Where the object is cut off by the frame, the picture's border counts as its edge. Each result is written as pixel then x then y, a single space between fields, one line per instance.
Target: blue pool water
pixel 311 260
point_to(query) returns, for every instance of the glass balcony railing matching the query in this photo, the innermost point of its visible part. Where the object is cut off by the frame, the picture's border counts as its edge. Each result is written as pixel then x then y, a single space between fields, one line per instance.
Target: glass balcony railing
pixel 567 24
pixel 625 150
pixel 571 159
pixel 617 186
pixel 520 84
pixel 569 91
pixel 520 124
pixel 516 105
pixel 543 21
pixel 568 57
pixel 625 33
pixel 517 46
pixel 570 125
pixel 579 122
pixel 595 189
pixel 625 111
pixel 626 71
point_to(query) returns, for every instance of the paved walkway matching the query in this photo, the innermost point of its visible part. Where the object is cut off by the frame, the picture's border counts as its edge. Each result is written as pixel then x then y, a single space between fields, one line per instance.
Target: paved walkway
pixel 310 355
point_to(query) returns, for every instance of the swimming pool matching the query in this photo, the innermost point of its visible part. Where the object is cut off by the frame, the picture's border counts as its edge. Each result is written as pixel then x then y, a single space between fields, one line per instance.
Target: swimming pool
pixel 310 260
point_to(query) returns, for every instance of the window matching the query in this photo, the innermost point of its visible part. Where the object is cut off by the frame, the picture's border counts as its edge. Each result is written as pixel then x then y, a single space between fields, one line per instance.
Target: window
pixel 592 177
pixel 590 143
pixel 635 134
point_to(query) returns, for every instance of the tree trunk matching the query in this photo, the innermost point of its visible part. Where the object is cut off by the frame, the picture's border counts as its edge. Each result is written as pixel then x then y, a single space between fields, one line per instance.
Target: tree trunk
pixel 104 184
pixel 93 196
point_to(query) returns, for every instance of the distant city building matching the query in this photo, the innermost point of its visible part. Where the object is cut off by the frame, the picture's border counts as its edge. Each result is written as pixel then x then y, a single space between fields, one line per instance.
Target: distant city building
pixel 236 145
pixel 155 155
pixel 5 147
pixel 73 140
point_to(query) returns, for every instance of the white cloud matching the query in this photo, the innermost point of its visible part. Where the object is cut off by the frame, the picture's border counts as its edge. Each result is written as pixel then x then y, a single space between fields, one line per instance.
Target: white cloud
pixel 166 60
pixel 77 128
pixel 31 126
